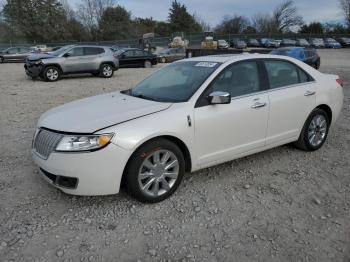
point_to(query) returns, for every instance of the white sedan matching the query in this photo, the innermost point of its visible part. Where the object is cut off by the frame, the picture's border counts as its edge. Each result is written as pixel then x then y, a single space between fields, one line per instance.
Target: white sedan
pixel 189 115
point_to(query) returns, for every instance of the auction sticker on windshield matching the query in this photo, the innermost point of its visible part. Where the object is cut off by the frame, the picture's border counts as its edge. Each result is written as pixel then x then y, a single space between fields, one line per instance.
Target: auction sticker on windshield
pixel 206 64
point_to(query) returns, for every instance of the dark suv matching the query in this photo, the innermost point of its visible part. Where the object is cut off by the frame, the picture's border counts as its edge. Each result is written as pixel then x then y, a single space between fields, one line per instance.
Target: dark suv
pixel 98 60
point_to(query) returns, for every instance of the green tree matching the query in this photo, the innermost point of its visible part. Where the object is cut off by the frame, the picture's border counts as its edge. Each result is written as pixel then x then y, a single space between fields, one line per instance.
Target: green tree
pixel 36 20
pixel 232 25
pixel 115 23
pixel 143 25
pixel 312 28
pixel 163 29
pixel 181 20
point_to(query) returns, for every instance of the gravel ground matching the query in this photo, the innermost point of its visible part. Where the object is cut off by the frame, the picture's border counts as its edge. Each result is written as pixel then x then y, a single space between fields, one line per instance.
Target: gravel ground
pixel 279 205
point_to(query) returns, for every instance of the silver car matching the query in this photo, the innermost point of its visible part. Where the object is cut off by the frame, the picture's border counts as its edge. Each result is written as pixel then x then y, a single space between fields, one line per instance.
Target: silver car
pixel 97 60
pixel 18 54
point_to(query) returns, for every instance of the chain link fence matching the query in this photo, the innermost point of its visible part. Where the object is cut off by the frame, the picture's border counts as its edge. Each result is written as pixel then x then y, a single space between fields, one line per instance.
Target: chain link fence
pixel 194 40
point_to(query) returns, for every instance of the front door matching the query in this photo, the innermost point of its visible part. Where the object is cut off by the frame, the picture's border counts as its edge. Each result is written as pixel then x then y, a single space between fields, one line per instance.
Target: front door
pixel 75 61
pixel 223 132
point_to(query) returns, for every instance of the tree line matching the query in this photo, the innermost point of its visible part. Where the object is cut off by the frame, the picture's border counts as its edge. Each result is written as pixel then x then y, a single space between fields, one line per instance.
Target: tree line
pixel 40 21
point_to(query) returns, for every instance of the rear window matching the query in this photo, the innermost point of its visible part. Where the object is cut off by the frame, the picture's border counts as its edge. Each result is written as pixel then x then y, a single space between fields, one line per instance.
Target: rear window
pixel 283 73
pixel 93 50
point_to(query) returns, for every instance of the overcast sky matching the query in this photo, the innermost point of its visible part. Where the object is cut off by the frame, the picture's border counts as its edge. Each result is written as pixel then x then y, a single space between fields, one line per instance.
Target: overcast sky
pixel 213 10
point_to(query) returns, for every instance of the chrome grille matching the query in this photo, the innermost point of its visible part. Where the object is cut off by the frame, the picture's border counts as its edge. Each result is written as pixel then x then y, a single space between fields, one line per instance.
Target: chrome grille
pixel 45 142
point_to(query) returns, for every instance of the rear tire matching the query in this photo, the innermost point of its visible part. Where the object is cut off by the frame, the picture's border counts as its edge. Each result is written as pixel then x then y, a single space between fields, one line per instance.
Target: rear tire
pixel 1 60
pixel 51 74
pixel 315 131
pixel 155 171
pixel 106 71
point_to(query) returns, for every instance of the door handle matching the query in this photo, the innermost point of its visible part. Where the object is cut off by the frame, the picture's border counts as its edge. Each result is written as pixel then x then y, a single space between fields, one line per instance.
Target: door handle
pixel 258 105
pixel 309 93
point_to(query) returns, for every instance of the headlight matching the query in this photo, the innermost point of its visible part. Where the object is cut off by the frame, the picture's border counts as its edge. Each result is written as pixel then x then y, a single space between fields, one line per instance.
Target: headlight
pixel 74 143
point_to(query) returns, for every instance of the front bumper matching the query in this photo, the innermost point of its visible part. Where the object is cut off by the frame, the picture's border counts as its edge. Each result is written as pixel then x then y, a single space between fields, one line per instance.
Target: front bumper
pixel 32 69
pixel 93 173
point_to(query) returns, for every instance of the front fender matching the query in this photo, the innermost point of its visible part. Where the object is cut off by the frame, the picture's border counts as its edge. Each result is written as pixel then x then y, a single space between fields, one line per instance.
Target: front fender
pixel 171 122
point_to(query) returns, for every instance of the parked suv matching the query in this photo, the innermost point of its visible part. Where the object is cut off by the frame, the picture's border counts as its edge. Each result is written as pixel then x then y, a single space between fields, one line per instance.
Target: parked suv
pixel 17 54
pixel 100 61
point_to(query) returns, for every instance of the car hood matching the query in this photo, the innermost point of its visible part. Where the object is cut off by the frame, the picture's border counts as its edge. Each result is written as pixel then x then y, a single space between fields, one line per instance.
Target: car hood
pixel 35 57
pixel 94 113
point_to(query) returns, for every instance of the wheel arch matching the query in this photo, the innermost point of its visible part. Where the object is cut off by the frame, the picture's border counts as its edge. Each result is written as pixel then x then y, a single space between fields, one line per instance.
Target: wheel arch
pixel 55 65
pixel 108 63
pixel 328 111
pixel 182 146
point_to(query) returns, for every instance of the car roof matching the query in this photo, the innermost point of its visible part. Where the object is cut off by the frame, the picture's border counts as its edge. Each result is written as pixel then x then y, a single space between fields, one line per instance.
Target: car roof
pixel 232 58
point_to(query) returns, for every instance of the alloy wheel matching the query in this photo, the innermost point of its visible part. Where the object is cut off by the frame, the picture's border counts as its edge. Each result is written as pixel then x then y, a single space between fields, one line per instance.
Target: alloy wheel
pixel 107 71
pixel 158 173
pixel 317 130
pixel 52 74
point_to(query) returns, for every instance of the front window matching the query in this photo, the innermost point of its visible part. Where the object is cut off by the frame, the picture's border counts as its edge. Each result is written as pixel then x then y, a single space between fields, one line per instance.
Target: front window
pixel 174 83
pixel 77 51
pixel 61 50
pixel 238 80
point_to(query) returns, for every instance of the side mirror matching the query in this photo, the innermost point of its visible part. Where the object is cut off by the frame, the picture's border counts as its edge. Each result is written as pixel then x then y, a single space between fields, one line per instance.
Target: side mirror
pixel 123 56
pixel 219 97
pixel 66 55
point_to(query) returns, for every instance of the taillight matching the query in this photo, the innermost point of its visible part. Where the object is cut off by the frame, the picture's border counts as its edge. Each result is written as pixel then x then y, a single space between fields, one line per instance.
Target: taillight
pixel 340 82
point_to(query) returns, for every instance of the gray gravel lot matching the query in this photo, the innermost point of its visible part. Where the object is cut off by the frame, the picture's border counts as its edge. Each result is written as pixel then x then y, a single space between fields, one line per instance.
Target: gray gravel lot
pixel 279 205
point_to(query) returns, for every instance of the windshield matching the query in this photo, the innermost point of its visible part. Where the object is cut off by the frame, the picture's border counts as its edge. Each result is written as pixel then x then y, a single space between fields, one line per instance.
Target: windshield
pixel 61 50
pixel 331 40
pixel 174 83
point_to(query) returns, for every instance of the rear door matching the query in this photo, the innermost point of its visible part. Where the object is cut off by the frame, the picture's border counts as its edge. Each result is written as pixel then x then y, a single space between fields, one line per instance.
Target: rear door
pixel 292 96
pixel 92 57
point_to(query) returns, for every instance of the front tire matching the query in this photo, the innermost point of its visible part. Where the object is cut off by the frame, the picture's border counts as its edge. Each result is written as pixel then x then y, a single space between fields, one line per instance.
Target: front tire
pixel 1 60
pixel 106 71
pixel 51 74
pixel 155 171
pixel 314 132
pixel 163 60
pixel 147 64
